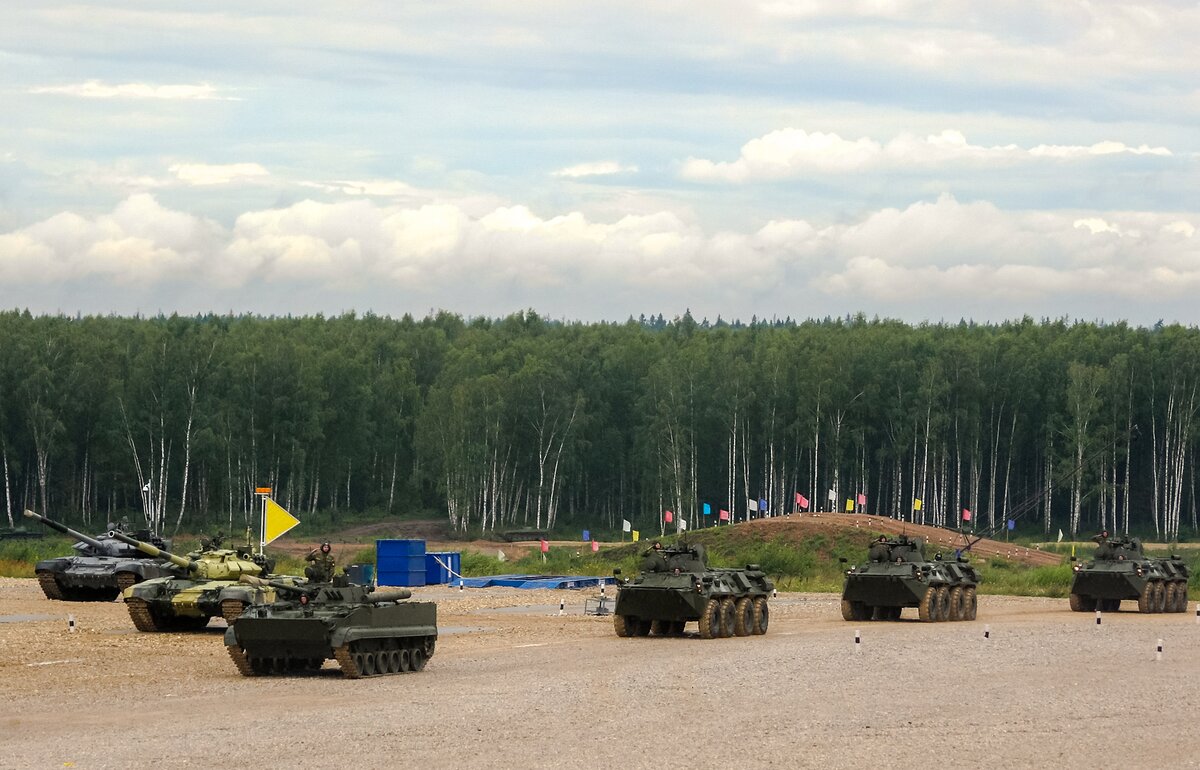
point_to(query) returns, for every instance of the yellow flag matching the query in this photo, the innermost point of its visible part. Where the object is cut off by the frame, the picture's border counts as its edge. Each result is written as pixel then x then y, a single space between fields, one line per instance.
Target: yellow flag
pixel 276 521
pixel 916 504
pixel 636 535
pixel 849 506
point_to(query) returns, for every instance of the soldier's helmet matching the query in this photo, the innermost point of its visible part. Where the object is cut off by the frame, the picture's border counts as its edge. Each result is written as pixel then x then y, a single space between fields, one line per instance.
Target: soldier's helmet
pixel 325 547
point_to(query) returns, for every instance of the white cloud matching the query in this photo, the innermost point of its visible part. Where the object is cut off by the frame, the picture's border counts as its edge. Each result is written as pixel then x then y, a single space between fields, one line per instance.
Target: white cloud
pixel 95 89
pixel 204 174
pixel 794 152
pixel 596 168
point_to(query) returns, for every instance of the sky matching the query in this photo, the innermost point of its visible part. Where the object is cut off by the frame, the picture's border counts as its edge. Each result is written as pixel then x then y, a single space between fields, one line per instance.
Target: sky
pixel 926 160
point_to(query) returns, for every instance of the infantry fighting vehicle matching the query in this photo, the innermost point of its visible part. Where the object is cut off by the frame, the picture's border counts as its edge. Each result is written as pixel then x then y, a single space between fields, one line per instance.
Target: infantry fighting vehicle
pixel 676 586
pixel 100 570
pixel 19 533
pixel 368 632
pixel 205 586
pixel 898 575
pixel 1121 570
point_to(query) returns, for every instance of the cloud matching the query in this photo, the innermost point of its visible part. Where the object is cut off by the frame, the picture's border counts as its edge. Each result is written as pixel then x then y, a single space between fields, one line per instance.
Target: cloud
pixel 203 174
pixel 794 152
pixel 596 168
pixel 95 89
pixel 378 188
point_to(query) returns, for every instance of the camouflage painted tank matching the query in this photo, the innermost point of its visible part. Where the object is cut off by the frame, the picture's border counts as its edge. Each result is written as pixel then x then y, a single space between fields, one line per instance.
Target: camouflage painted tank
pixel 1121 570
pixel 100 570
pixel 898 575
pixel 205 586
pixel 676 586
pixel 368 633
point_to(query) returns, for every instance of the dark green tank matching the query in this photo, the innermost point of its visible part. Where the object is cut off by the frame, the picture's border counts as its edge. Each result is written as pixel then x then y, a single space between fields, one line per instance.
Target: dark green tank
pixel 368 633
pixel 100 569
pixel 676 586
pixel 1120 570
pixel 898 575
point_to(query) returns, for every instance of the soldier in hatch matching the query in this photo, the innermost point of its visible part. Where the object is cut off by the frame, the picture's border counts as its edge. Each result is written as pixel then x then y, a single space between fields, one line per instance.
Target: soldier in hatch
pixel 322 567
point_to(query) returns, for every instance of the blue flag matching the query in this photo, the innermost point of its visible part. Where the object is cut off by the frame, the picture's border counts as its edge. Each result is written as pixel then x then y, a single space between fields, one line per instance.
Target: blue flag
pixel 762 504
pixel 1011 525
pixel 707 509
pixel 587 535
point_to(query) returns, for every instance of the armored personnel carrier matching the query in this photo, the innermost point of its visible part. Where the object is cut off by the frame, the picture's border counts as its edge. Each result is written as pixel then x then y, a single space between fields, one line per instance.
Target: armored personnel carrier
pixel 368 633
pixel 205 586
pixel 1121 570
pixel 676 586
pixel 100 570
pixel 898 575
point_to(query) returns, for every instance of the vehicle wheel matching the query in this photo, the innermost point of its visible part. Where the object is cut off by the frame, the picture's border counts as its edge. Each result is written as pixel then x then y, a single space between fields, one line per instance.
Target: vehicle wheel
pixel 943 600
pixel 418 659
pixel 762 615
pixel 971 602
pixel 1160 597
pixel 405 660
pixel 643 627
pixel 1146 598
pixel 657 628
pixel 1110 605
pixel 956 604
pixel 727 617
pixel 928 607
pixel 848 610
pixel 1082 603
pixel 743 616
pixel 622 625
pixel 710 620
pixel 1181 599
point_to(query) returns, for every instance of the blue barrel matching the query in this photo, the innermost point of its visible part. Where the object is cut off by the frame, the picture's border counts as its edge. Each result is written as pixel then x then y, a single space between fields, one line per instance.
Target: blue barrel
pixel 442 567
pixel 400 562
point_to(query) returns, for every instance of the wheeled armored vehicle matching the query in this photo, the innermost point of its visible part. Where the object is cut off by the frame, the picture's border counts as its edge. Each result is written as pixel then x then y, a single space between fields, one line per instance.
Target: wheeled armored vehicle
pixel 205 586
pixel 101 568
pixel 676 586
pixel 897 575
pixel 1120 570
pixel 368 633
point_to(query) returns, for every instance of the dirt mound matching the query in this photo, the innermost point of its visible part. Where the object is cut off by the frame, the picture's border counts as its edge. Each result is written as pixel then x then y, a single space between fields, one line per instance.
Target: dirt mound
pixel 800 527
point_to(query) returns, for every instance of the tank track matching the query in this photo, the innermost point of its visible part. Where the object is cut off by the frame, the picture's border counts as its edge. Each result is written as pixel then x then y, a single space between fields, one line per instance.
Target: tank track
pixel 139 611
pixel 126 580
pixel 231 610
pixel 241 661
pixel 411 656
pixel 50 586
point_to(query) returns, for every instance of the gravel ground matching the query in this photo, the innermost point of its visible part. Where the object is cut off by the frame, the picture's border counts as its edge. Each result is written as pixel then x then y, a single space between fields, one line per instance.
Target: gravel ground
pixel 531 689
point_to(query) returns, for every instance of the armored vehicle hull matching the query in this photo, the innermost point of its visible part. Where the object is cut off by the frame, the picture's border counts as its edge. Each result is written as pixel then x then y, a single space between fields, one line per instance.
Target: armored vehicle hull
pixel 676 587
pixel 185 604
pixel 367 633
pixel 1121 571
pixel 101 568
pixel 899 576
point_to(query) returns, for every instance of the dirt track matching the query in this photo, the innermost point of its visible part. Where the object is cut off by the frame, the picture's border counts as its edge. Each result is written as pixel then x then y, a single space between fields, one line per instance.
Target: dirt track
pixel 515 685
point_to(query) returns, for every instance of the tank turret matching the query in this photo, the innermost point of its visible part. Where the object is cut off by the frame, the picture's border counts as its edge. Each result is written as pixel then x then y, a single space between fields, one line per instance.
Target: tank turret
pixel 222 564
pixel 101 547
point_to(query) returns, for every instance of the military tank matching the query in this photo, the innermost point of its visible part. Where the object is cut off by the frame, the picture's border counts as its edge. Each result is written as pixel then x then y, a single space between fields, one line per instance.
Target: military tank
pixel 368 633
pixel 1120 570
pixel 898 575
pixel 18 533
pixel 205 585
pixel 676 586
pixel 100 570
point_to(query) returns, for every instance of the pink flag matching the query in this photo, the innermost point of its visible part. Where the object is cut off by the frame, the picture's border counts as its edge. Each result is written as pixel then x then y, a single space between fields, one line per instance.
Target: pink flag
pixel 595 546
pixel 670 517
pixel 802 501
pixel 724 516
pixel 545 546
pixel 862 499
pixel 966 515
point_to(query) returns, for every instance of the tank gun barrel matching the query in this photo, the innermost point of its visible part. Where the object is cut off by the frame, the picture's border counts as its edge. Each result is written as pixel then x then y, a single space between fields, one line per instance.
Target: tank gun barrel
pixel 99 545
pixel 280 585
pixel 151 550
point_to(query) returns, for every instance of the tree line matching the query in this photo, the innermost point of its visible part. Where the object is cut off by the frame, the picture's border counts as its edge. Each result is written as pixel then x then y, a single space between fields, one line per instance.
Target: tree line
pixel 524 421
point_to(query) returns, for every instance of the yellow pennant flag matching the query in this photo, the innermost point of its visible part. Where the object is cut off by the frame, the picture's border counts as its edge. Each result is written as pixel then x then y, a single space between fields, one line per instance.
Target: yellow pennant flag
pixel 849 506
pixel 636 535
pixel 276 521
pixel 916 504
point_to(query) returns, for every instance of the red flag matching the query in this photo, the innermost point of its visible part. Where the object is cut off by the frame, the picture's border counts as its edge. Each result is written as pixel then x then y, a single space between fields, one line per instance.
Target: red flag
pixel 802 501
pixel 862 499
pixel 670 517
pixel 966 515
pixel 724 515
pixel 595 546
pixel 545 546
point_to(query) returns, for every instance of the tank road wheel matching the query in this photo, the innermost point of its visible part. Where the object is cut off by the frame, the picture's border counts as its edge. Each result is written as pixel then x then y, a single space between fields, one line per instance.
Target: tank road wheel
pixel 238 655
pixel 710 620
pixel 143 617
pixel 727 616
pixel 622 625
pixel 405 659
pixel 232 609
pixel 49 585
pixel 418 659
pixel 762 615
pixel 956 604
pixel 743 616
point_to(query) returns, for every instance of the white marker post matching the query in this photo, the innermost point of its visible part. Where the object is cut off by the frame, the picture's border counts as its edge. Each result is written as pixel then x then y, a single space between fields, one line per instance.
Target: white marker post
pixel 1097 617
pixel 857 641
pixel 987 631
pixel 1158 651
pixel 71 624
pixel 460 585
pixel 561 607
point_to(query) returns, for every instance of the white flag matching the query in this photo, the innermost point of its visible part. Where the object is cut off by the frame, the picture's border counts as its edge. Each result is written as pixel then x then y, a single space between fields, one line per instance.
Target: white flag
pixel 500 555
pixel 1060 536
pixel 683 525
pixel 751 504
pixel 832 496
pixel 147 487
pixel 626 526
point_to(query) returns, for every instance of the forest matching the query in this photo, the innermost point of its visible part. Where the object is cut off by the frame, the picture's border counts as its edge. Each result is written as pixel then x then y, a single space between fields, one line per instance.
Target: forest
pixel 525 421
